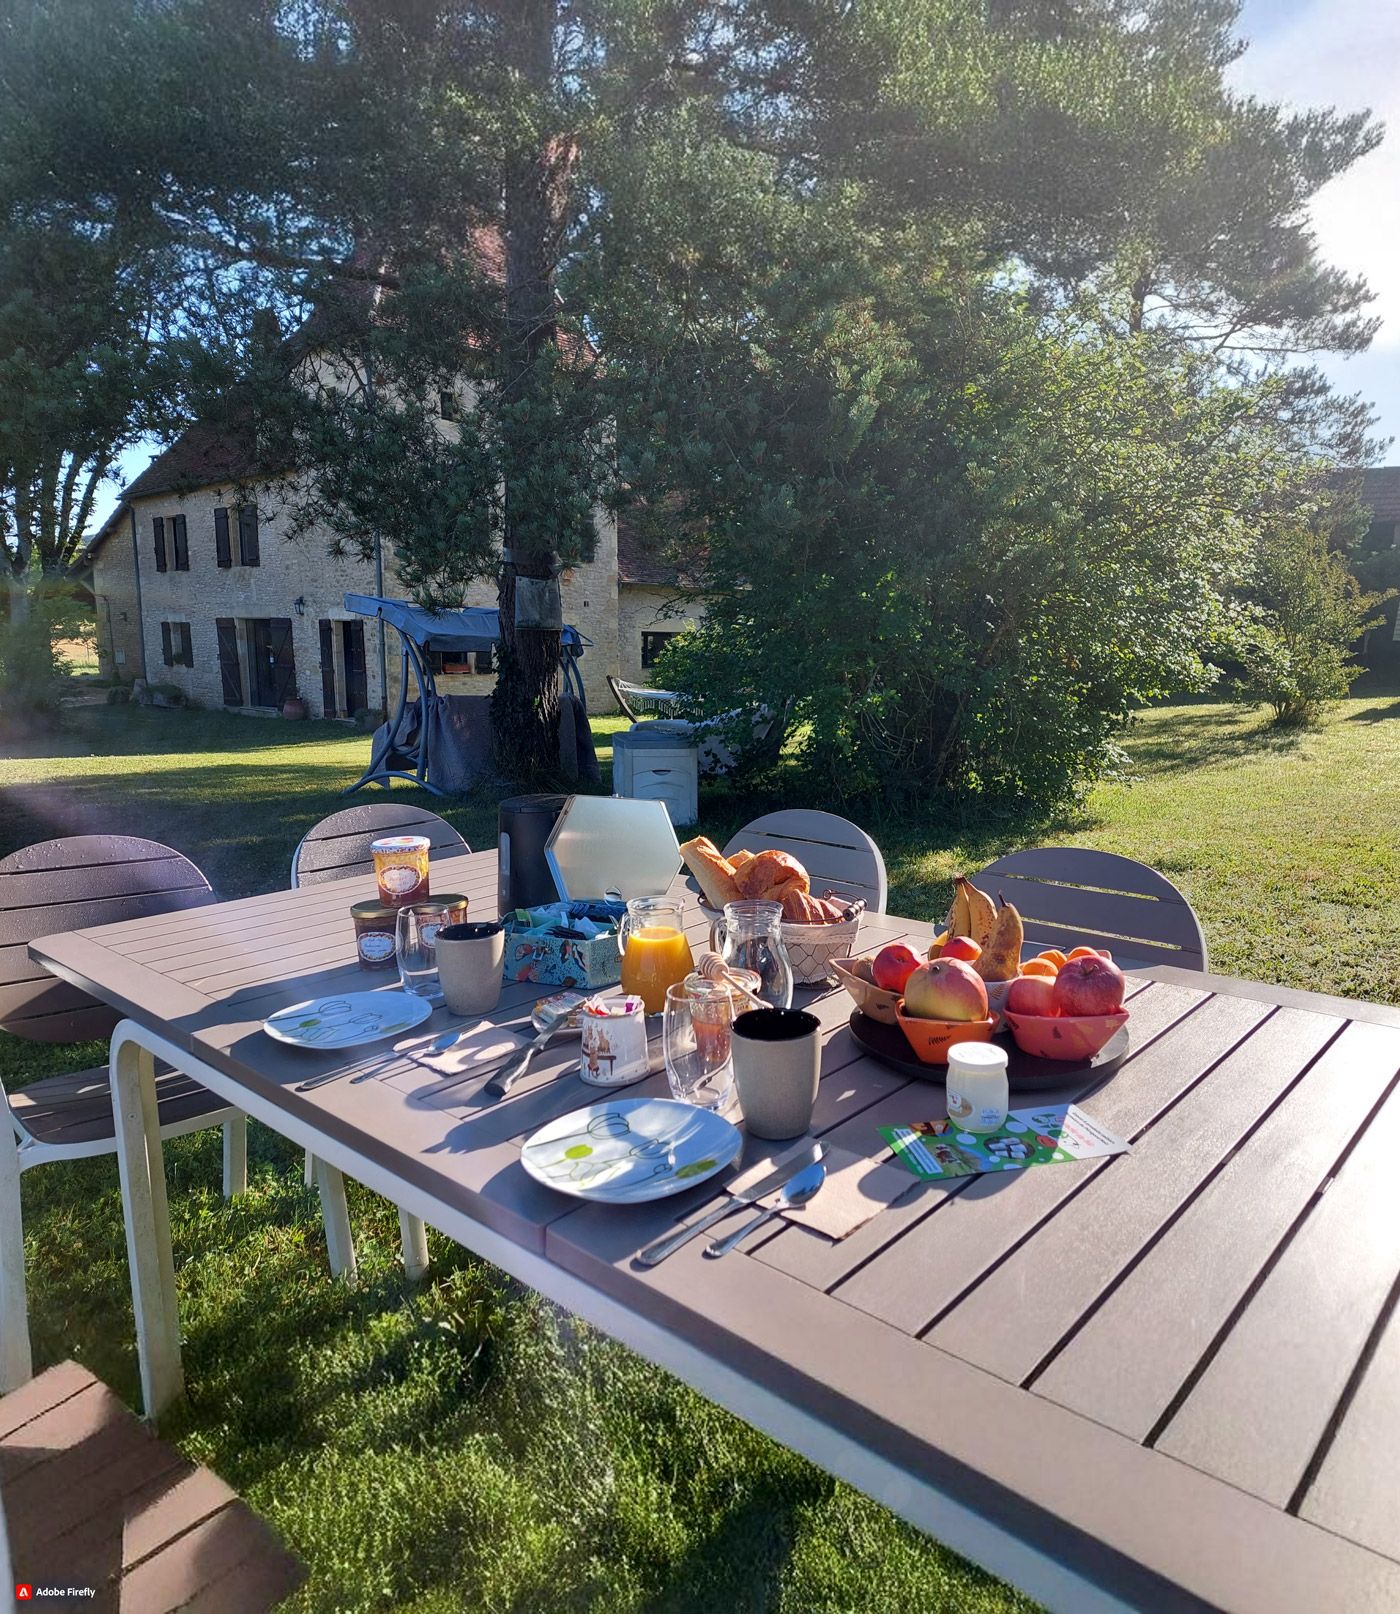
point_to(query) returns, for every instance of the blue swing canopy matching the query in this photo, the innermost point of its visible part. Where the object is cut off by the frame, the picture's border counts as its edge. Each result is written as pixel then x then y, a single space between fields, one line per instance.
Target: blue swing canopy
pixel 442 742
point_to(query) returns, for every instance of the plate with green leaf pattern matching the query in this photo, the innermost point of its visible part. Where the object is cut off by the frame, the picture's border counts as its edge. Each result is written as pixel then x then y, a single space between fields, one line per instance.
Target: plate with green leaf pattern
pixel 628 1150
pixel 348 1020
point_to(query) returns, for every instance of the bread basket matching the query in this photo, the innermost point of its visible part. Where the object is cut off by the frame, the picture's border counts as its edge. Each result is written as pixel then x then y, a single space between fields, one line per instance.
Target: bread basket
pixel 812 949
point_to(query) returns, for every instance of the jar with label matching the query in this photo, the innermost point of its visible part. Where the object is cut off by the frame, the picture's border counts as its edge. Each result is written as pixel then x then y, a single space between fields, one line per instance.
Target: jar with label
pixel 978 1090
pixel 401 868
pixel 374 923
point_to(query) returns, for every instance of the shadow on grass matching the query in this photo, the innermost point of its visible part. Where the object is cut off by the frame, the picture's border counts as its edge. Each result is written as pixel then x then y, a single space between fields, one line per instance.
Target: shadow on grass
pixel 1206 738
pixel 1375 714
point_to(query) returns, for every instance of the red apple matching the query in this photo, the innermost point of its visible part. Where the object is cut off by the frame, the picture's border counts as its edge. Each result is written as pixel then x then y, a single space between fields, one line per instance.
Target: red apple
pixel 946 989
pixel 962 947
pixel 893 966
pixel 1032 994
pixel 1089 986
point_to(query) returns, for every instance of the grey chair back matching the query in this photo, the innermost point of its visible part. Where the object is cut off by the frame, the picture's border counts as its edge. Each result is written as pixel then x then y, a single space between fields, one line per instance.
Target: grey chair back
pixel 835 852
pixel 1072 895
pixel 338 846
pixel 70 884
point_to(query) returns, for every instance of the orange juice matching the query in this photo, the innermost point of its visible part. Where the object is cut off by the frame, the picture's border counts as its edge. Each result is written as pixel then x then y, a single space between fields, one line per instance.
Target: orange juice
pixel 655 957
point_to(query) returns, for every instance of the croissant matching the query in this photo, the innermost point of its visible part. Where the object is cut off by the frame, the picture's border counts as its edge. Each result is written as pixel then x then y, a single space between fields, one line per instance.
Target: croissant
pixel 770 876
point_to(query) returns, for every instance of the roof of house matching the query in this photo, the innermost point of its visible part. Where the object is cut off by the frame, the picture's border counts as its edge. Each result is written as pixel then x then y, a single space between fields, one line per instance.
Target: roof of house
pixel 1380 488
pixel 643 563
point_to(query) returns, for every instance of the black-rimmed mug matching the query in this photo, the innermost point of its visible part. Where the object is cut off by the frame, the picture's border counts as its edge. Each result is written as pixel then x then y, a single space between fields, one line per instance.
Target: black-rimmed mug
pixel 777 1064
pixel 469 960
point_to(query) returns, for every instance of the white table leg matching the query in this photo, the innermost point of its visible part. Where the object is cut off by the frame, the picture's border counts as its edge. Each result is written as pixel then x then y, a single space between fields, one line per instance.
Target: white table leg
pixel 236 1156
pixel 340 1246
pixel 16 1363
pixel 146 1213
pixel 414 1238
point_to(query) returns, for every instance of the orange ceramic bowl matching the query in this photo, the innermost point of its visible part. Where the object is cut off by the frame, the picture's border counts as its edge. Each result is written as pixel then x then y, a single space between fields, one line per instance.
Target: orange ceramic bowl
pixel 1071 1037
pixel 854 974
pixel 931 1039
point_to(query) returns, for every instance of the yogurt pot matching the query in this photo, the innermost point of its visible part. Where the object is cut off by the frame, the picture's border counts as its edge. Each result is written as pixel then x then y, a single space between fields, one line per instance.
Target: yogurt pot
pixel 401 868
pixel 978 1090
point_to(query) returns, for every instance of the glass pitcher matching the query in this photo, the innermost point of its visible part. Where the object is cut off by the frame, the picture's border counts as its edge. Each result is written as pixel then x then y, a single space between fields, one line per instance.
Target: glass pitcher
pixel 750 937
pixel 655 952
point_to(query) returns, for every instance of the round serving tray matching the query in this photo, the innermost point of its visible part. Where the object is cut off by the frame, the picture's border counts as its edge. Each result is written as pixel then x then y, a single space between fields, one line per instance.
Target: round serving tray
pixel 1024 1071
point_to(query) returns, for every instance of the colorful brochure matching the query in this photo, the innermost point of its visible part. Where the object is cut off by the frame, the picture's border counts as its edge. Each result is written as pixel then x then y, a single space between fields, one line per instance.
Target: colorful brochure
pixel 1032 1137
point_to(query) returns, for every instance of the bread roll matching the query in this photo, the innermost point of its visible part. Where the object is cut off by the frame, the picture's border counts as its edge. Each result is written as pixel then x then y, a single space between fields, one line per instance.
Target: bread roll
pixel 714 874
pixel 801 908
pixel 770 876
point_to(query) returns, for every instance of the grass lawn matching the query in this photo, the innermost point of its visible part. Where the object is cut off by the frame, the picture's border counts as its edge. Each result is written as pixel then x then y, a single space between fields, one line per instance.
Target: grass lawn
pixel 460 1446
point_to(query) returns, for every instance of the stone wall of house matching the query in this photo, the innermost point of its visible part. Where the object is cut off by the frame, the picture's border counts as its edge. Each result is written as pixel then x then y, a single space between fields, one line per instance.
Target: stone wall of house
pixel 644 608
pixel 297 579
pixel 117 610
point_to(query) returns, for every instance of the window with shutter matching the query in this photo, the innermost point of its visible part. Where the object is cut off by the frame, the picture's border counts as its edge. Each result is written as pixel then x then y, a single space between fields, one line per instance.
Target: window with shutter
pixel 186 645
pixel 248 535
pixel 158 529
pixel 181 536
pixel 223 552
pixel 165 647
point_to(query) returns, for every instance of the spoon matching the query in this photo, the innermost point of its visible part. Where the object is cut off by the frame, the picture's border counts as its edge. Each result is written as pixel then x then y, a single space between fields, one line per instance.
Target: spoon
pixel 802 1188
pixel 439 1045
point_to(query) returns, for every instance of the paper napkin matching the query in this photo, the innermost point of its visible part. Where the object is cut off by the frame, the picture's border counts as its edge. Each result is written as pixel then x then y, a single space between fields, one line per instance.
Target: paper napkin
pixel 481 1046
pixel 856 1189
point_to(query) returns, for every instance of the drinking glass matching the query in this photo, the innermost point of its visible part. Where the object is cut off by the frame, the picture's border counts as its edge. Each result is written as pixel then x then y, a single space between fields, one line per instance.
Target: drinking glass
pixel 696 1033
pixel 416 949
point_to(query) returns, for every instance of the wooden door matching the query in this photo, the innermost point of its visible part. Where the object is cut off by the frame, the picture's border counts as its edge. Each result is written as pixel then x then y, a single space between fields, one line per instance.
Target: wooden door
pixel 356 682
pixel 273 668
pixel 230 674
pixel 327 632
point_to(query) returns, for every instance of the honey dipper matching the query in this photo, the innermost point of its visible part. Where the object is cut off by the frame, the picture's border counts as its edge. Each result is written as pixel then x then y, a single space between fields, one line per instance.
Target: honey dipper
pixel 713 967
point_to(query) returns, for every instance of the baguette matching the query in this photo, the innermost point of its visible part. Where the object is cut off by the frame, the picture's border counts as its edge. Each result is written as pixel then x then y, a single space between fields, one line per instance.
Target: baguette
pixel 714 874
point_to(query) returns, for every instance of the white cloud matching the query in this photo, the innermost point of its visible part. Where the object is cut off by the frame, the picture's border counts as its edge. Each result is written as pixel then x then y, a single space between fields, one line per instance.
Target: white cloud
pixel 1342 53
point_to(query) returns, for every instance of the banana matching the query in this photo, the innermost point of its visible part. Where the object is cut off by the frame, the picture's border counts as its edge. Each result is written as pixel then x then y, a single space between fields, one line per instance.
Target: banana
pixel 981 913
pixel 1001 957
pixel 958 919
pixel 939 942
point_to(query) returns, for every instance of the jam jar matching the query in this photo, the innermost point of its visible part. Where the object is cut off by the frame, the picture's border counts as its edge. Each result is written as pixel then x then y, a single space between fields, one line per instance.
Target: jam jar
pixel 374 934
pixel 401 868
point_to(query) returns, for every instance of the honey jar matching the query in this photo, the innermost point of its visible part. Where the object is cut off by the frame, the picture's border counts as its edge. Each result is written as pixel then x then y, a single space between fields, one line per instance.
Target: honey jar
pixel 401 868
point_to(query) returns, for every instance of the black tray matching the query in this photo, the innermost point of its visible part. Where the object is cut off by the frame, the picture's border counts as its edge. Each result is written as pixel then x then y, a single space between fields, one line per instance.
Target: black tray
pixel 889 1045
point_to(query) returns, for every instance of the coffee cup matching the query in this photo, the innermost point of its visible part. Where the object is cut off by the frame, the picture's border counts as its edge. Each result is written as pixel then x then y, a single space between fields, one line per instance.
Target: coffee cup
pixel 777 1063
pixel 469 962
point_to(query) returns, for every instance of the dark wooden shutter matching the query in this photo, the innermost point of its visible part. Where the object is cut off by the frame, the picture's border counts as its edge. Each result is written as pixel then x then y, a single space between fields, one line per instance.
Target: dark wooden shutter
pixel 248 535
pixel 223 553
pixel 230 674
pixel 327 632
pixel 180 533
pixel 284 669
pixel 356 686
pixel 165 647
pixel 186 645
pixel 158 529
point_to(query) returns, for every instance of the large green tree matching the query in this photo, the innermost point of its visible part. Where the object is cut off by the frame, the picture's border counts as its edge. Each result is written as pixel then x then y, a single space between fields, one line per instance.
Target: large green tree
pixel 351 145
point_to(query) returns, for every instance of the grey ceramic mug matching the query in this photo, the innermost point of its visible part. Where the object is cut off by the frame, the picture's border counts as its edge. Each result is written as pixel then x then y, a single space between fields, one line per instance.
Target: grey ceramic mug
pixel 777 1064
pixel 469 960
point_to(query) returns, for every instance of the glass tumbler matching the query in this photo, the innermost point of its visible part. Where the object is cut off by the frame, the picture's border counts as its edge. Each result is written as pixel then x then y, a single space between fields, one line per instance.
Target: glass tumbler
pixel 416 949
pixel 696 1033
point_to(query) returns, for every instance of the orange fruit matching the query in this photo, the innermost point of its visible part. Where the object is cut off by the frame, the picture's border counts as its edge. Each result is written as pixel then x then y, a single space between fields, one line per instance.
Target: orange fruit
pixel 1055 956
pixel 1040 966
pixel 1087 952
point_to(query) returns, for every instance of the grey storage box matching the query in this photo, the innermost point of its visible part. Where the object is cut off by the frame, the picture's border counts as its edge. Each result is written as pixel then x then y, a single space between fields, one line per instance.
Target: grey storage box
pixel 659 762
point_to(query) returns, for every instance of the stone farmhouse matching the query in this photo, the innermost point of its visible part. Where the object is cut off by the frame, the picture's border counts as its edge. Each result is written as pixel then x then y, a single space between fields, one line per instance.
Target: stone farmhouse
pixel 199 583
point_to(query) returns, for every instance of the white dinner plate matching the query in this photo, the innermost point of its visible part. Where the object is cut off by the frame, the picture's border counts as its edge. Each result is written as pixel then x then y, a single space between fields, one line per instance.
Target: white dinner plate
pixel 348 1019
pixel 627 1150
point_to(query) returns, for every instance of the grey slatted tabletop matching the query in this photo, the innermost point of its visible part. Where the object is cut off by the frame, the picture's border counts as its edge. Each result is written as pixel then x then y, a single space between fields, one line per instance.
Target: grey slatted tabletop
pixel 1165 1379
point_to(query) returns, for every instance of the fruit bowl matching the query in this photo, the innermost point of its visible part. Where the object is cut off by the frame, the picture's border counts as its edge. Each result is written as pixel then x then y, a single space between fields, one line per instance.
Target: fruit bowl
pixel 1068 1037
pixel 854 974
pixel 931 1039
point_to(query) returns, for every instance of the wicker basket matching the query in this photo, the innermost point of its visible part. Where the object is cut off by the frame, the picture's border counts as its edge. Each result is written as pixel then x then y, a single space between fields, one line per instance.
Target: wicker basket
pixel 812 948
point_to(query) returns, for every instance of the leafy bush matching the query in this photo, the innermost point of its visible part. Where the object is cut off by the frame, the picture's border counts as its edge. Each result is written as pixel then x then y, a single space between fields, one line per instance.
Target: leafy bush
pixel 1305 614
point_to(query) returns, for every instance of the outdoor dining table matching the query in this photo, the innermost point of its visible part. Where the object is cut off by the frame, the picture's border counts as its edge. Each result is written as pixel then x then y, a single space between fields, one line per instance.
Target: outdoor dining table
pixel 1166 1379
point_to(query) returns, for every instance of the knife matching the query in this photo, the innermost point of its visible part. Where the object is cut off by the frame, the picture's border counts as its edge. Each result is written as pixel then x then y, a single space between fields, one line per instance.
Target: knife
pixel 731 1202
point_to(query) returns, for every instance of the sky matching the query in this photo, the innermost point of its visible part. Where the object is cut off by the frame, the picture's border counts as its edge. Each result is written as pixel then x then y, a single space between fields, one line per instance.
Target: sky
pixel 1346 54
pixel 1342 53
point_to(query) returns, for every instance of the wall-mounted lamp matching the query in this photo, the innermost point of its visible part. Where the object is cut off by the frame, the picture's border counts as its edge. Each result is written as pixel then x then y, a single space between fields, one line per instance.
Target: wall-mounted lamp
pixel 299 605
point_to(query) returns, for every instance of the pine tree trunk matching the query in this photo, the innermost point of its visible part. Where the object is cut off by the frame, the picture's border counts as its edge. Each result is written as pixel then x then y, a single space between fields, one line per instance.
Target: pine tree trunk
pixel 525 706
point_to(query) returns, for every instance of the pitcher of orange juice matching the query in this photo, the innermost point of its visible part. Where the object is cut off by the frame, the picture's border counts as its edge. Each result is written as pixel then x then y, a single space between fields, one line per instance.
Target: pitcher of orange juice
pixel 655 953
